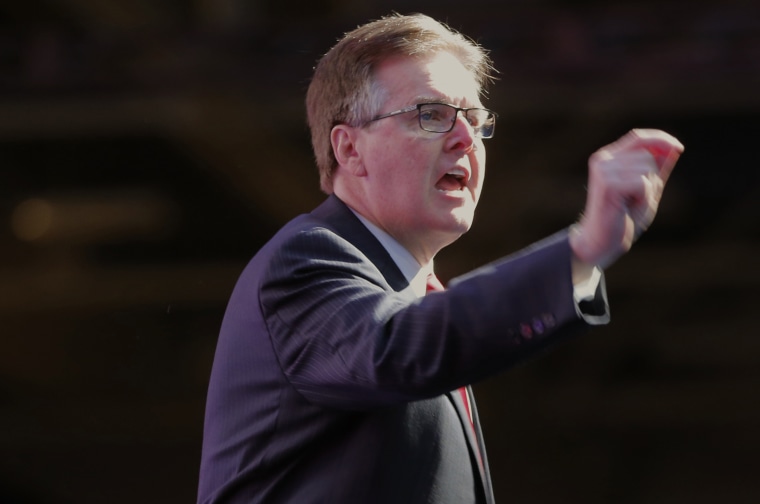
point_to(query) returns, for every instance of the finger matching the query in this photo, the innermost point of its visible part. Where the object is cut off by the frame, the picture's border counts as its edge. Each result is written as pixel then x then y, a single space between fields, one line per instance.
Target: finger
pixel 643 207
pixel 663 147
pixel 667 165
pixel 622 169
pixel 655 139
pixel 637 137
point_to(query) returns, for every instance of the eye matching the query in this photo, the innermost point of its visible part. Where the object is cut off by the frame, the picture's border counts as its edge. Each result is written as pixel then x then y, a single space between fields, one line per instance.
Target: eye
pixel 432 113
pixel 476 118
pixel 435 113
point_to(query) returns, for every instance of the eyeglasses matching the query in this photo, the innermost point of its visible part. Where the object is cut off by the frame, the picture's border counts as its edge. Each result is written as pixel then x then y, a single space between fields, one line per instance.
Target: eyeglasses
pixel 440 118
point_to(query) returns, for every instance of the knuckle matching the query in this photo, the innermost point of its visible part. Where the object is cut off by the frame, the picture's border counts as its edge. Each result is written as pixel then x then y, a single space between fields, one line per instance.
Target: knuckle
pixel 600 156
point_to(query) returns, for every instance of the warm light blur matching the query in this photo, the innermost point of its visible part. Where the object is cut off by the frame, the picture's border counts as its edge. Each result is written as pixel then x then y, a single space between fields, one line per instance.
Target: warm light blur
pixel 91 218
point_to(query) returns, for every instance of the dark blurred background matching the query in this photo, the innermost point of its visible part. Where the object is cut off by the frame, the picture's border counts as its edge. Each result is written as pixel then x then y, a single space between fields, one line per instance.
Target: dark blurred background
pixel 148 148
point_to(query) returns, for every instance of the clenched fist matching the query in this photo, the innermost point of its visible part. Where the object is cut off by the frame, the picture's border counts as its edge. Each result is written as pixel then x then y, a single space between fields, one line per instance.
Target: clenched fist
pixel 626 180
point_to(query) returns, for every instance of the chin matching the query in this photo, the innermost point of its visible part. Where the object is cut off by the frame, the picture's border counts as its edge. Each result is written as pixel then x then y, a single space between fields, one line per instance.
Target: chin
pixel 464 217
pixel 458 227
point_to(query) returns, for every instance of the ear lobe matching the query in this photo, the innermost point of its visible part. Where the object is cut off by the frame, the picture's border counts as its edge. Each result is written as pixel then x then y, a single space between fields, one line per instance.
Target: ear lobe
pixel 343 139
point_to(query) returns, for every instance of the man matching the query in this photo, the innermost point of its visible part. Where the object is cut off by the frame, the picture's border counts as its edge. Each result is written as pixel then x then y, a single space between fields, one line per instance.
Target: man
pixel 336 378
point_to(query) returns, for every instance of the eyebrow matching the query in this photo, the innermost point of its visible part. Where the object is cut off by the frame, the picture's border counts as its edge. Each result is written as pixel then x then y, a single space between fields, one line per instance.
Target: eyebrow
pixel 429 99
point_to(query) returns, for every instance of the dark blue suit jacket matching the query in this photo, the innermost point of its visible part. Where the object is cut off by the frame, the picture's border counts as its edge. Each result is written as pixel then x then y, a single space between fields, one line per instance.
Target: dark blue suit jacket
pixel 331 381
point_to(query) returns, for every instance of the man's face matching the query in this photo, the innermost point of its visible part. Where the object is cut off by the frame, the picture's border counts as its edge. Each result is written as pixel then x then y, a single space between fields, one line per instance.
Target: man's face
pixel 421 187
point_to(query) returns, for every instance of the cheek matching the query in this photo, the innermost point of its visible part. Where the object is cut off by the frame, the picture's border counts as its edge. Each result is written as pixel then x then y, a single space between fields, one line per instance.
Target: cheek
pixel 392 153
pixel 478 165
pixel 409 166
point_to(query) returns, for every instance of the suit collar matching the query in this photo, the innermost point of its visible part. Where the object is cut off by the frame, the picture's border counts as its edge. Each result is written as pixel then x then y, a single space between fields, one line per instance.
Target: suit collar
pixel 415 274
pixel 342 220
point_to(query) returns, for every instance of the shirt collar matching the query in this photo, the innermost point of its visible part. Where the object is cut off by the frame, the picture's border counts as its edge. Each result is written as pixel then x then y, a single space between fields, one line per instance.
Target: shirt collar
pixel 414 273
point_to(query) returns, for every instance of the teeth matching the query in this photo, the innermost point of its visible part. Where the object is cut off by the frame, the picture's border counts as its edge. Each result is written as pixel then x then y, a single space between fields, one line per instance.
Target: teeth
pixel 457 172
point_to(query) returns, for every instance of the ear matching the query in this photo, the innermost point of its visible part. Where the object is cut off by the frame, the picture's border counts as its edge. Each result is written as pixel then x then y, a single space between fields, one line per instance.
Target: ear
pixel 344 145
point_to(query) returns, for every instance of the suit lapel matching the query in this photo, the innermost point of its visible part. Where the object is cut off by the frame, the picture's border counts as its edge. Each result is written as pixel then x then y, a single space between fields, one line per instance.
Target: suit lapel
pixel 471 430
pixel 485 471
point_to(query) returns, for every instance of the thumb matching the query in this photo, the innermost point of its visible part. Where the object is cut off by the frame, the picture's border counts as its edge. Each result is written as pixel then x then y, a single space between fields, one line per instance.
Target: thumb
pixel 664 148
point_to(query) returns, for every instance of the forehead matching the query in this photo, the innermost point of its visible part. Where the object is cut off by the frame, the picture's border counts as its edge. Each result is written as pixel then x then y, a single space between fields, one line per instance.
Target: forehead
pixel 438 76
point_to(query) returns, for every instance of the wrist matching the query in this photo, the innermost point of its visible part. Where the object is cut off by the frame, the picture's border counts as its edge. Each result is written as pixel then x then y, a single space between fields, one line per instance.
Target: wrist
pixel 578 245
pixel 584 259
pixel 581 271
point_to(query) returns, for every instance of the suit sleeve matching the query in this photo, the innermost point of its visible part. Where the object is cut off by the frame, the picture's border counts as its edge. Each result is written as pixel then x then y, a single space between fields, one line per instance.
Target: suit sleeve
pixel 345 339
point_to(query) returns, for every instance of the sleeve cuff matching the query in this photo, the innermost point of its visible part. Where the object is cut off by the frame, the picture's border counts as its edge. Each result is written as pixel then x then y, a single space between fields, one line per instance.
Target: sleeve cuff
pixel 590 297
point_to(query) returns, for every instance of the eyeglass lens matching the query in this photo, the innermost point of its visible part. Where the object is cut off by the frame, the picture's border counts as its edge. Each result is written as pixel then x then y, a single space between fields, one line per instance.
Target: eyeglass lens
pixel 440 118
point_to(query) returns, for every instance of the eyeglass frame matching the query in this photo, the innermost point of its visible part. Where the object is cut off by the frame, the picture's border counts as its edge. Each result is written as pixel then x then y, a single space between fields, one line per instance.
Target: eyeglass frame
pixel 418 108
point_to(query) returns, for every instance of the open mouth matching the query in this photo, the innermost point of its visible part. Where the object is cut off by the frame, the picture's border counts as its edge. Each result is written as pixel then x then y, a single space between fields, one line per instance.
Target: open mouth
pixel 453 180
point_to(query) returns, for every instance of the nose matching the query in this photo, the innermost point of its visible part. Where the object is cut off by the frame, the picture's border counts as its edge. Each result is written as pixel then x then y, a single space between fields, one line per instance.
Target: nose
pixel 461 136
